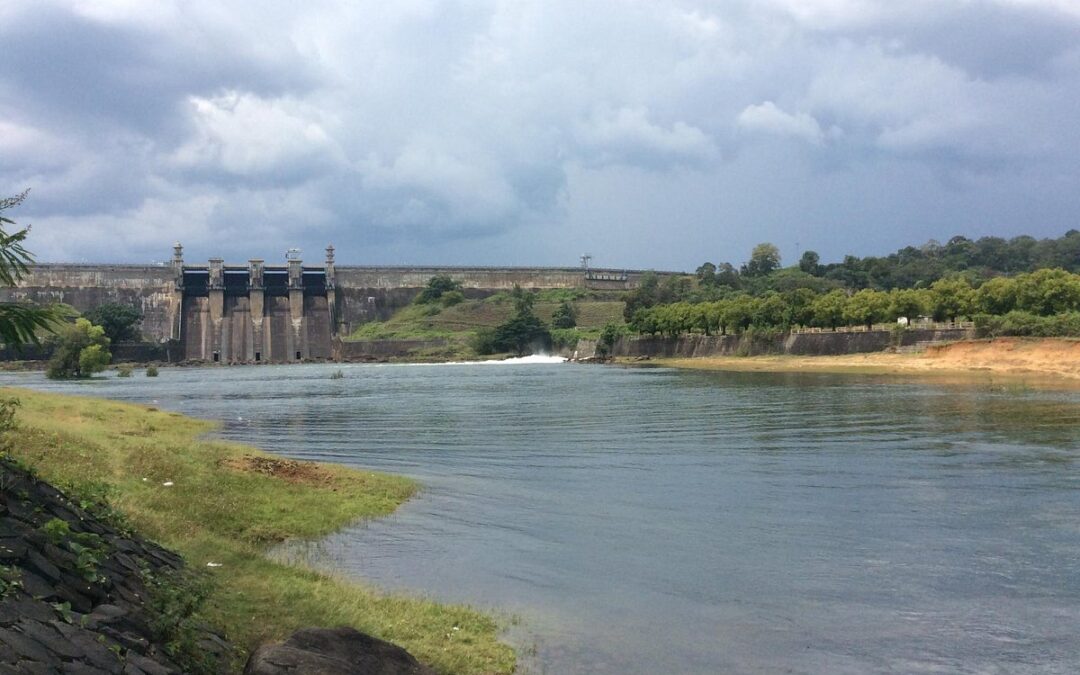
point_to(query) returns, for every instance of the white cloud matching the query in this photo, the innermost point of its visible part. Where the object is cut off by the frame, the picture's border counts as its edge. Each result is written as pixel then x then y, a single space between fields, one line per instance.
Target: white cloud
pixel 244 134
pixel 627 134
pixel 767 118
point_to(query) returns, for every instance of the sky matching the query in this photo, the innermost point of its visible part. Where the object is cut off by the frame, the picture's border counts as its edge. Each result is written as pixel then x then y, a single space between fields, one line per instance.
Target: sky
pixel 649 134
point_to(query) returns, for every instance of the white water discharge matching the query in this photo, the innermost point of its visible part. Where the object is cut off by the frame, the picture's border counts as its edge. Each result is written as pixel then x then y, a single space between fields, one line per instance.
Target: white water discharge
pixel 532 359
pixel 525 360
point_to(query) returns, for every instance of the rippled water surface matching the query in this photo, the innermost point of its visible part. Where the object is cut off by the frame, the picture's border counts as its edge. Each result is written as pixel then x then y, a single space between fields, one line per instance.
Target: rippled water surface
pixel 655 521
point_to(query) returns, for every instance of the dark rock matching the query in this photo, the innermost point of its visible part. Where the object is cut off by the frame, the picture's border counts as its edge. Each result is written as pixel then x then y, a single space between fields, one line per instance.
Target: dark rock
pixel 26 647
pixel 78 668
pixel 337 651
pixel 11 549
pixel 18 607
pixel 35 586
pixel 51 639
pixel 148 666
pixel 36 561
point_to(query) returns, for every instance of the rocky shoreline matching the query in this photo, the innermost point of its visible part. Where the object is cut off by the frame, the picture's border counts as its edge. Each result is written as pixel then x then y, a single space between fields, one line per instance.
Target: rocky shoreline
pixel 79 595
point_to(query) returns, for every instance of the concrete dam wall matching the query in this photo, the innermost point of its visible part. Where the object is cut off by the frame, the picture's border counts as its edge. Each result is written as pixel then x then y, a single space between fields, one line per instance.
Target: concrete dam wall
pixel 255 312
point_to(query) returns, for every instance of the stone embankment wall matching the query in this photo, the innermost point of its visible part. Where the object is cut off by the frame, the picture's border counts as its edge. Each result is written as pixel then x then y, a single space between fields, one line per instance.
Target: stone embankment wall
pixel 74 591
pixel 382 350
pixel 800 344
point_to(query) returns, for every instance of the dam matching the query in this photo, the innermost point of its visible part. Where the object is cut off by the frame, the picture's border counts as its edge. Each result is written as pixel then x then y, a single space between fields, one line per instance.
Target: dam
pixel 257 312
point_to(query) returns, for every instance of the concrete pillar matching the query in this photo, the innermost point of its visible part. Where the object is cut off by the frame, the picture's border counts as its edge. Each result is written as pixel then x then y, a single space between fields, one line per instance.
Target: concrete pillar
pixel 331 291
pixel 257 303
pixel 296 310
pixel 176 304
pixel 217 309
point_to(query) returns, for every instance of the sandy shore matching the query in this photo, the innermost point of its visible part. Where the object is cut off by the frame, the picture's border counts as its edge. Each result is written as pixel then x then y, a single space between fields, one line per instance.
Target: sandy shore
pixel 1031 359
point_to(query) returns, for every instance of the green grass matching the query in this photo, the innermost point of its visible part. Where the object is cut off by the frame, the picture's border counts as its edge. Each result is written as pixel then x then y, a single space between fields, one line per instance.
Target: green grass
pixel 458 323
pixel 226 507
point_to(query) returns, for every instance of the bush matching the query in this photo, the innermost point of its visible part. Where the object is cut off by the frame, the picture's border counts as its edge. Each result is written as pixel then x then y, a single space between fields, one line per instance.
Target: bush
pixel 337 375
pixel 81 350
pixel 436 287
pixel 483 341
pixel 451 298
pixel 610 333
pixel 151 371
pixel 1026 324
pixel 123 371
pixel 565 316
pixel 565 338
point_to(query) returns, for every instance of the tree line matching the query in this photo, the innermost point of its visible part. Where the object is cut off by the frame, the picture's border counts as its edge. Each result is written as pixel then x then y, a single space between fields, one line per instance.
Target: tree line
pixel 1025 300
pixel 911 267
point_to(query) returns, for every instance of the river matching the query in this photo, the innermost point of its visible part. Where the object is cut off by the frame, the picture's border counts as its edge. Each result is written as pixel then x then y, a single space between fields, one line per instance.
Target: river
pixel 660 521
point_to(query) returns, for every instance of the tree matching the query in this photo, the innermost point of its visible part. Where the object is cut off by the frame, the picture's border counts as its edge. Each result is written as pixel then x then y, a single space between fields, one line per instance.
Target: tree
pixel 523 332
pixel 866 308
pixel 950 298
pixel 906 303
pixel 763 259
pixel 996 296
pixel 436 287
pixel 706 274
pixel 810 263
pixel 565 316
pixel 19 323
pixel 828 309
pixel 121 322
pixel 81 349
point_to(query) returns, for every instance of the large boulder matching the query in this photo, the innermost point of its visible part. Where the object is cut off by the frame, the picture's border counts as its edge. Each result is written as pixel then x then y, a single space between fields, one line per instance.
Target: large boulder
pixel 333 651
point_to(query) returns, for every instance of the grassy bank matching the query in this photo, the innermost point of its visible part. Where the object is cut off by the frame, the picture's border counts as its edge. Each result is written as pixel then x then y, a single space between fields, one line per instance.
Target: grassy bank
pixel 458 323
pixel 226 505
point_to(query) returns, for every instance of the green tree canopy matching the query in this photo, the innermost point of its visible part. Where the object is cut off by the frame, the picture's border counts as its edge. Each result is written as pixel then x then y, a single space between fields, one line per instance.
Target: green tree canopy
pixel 120 322
pixel 81 349
pixel 565 316
pixel 763 260
pixel 436 287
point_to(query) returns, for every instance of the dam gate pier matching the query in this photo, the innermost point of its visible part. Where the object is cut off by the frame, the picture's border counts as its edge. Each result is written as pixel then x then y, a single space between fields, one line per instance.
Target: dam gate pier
pixel 254 313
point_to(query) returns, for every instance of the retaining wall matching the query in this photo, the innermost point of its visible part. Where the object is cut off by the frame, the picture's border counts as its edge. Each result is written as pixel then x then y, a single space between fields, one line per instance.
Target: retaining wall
pixel 801 344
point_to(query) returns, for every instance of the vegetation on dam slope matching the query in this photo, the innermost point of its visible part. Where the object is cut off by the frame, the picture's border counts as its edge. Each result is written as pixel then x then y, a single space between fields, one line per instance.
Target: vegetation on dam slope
pixel 224 503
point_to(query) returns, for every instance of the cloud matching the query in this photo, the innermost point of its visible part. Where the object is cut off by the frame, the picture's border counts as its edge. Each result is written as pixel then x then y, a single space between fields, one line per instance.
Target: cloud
pixel 442 131
pixel 243 134
pixel 627 135
pixel 768 119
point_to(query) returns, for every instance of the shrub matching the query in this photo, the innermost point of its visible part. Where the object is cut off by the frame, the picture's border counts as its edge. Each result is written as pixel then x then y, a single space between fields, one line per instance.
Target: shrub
pixel 436 287
pixel 151 371
pixel 81 350
pixel 337 375
pixel 565 338
pixel 565 316
pixel 123 371
pixel 451 298
pixel 483 341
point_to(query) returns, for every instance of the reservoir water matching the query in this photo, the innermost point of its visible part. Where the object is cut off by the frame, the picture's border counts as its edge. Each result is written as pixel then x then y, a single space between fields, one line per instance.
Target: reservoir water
pixel 658 521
